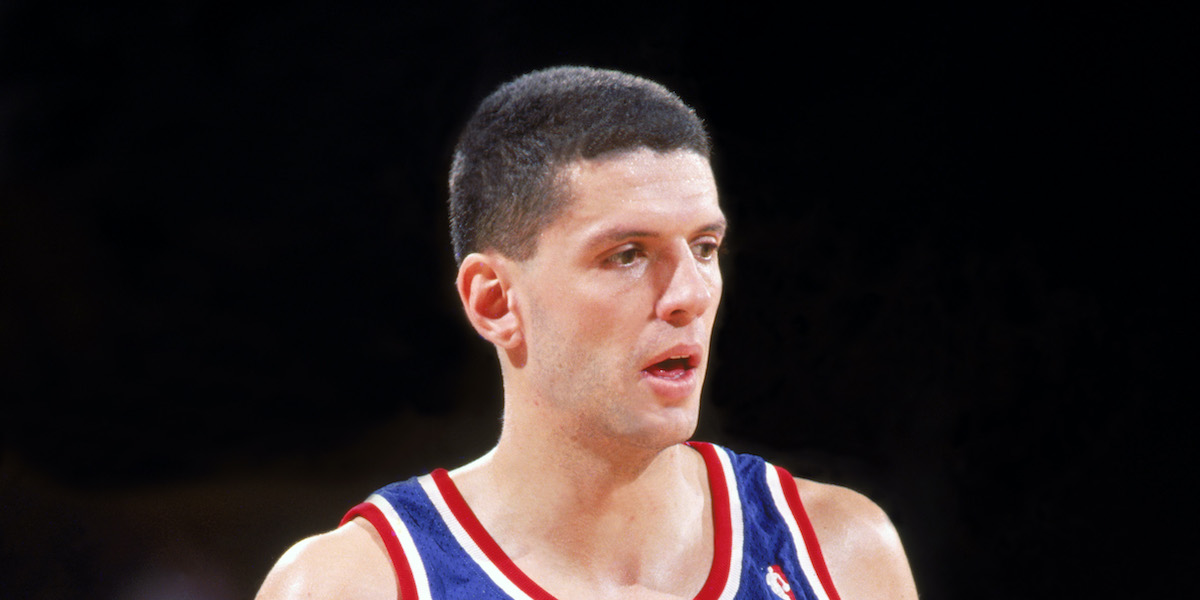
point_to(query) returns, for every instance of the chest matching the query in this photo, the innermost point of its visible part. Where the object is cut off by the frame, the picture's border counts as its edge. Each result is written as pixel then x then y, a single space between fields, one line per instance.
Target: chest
pixel 759 549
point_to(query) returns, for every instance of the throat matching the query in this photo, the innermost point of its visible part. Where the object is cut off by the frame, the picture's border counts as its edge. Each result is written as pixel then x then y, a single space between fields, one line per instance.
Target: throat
pixel 649 537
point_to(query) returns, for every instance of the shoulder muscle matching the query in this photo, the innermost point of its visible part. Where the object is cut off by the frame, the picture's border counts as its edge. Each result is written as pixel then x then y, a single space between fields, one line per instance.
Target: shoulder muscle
pixel 349 562
pixel 859 542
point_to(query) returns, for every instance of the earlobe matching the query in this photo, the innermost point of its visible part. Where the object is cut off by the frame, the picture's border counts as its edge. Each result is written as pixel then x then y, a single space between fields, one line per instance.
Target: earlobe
pixel 485 290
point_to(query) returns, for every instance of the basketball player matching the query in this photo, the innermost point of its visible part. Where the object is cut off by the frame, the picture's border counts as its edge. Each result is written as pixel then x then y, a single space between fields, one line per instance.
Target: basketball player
pixel 586 225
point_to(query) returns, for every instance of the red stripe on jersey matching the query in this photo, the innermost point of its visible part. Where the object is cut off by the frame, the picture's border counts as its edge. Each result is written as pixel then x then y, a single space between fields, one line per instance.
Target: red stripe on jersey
pixel 405 584
pixel 788 483
pixel 466 517
pixel 718 575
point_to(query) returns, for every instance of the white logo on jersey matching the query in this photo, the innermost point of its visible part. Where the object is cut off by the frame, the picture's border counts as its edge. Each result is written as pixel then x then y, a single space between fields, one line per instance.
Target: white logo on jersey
pixel 778 583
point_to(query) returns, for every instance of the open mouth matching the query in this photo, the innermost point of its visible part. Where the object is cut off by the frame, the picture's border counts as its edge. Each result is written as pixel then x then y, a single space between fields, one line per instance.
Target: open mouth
pixel 673 367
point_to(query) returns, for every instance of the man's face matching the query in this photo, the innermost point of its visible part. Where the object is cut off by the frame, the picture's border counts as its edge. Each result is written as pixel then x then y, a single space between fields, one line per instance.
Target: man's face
pixel 620 297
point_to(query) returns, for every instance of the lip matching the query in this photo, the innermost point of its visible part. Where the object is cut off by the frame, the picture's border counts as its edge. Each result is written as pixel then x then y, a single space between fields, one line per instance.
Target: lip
pixel 691 352
pixel 680 383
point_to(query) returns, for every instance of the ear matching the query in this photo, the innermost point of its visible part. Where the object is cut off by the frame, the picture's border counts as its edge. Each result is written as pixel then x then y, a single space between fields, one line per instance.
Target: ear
pixel 484 284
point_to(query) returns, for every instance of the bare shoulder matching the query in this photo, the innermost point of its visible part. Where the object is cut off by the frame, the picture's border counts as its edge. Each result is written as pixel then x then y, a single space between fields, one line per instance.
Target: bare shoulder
pixel 861 547
pixel 349 562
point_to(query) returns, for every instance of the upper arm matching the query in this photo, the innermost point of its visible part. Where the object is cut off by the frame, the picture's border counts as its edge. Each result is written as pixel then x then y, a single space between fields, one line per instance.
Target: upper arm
pixel 347 563
pixel 861 547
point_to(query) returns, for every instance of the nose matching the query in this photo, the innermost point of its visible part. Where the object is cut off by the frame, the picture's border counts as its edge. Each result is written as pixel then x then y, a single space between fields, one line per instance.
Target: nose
pixel 691 289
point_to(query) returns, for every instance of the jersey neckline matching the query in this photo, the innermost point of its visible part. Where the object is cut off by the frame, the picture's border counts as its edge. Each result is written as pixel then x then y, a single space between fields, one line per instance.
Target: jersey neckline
pixel 722 490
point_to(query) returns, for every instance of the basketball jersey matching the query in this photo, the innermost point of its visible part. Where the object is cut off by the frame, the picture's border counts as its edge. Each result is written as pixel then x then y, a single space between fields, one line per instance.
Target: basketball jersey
pixel 764 545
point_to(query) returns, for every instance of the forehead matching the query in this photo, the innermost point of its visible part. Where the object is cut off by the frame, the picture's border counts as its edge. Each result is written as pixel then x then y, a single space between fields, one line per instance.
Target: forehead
pixel 661 191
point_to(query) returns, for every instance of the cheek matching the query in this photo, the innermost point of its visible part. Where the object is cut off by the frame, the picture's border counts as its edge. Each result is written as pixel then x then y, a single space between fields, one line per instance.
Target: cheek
pixel 564 321
pixel 600 321
pixel 717 285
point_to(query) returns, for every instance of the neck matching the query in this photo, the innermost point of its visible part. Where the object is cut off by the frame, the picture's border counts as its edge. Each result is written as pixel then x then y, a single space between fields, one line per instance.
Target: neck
pixel 579 476
pixel 617 512
pixel 590 476
pixel 598 439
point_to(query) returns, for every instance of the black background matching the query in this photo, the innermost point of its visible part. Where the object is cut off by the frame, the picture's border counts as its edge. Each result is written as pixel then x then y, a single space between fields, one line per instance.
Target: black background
pixel 955 281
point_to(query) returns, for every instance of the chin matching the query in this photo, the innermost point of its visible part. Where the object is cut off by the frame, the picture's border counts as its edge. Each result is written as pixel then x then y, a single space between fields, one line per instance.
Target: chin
pixel 668 428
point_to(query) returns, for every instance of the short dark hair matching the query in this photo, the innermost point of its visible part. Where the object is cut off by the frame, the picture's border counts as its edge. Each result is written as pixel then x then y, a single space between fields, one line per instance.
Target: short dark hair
pixel 504 186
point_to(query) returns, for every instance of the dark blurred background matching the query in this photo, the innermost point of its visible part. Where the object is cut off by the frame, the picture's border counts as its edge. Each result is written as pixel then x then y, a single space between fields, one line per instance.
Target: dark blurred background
pixel 956 274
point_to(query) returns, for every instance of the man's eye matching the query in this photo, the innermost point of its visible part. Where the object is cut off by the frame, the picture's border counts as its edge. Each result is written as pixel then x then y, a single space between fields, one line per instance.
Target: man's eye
pixel 706 250
pixel 624 258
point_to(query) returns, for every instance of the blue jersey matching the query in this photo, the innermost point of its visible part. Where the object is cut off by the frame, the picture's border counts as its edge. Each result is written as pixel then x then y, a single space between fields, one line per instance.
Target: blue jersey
pixel 763 544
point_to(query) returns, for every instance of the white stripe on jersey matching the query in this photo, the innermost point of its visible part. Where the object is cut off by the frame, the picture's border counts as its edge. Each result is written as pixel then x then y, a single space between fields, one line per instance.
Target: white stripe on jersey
pixel 467 543
pixel 736 525
pixel 416 565
pixel 802 550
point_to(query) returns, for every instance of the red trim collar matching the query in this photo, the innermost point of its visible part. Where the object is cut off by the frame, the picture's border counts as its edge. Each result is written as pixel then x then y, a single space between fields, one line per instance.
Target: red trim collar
pixel 718 574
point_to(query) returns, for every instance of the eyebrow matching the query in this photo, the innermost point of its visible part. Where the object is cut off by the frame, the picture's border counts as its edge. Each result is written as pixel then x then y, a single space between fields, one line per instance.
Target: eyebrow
pixel 617 234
